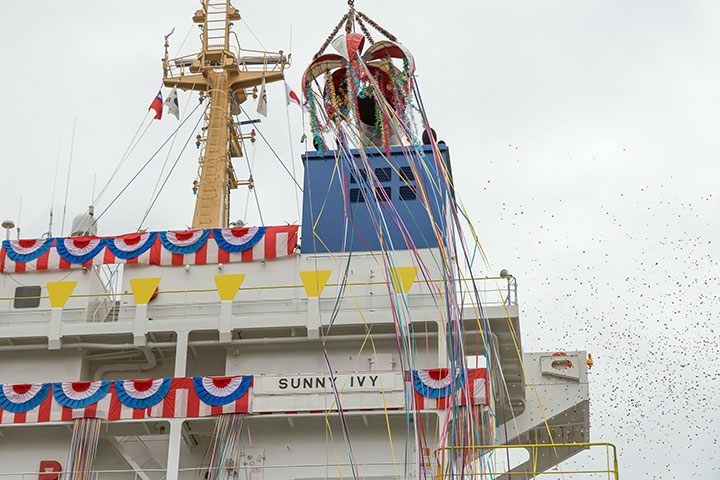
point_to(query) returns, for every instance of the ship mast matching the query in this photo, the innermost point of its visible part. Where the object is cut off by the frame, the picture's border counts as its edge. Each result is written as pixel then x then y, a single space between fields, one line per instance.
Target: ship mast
pixel 225 74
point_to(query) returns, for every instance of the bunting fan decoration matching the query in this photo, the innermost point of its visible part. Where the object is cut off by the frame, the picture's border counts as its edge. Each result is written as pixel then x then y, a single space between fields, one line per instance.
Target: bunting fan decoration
pixel 132 245
pixel 238 239
pixel 141 394
pixel 80 394
pixel 197 247
pixel 223 390
pixel 437 383
pixel 79 249
pixel 184 242
pixel 26 250
pixel 23 397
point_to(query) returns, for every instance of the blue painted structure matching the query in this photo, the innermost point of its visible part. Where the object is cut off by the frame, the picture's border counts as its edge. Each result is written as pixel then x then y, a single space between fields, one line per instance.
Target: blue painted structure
pixel 326 198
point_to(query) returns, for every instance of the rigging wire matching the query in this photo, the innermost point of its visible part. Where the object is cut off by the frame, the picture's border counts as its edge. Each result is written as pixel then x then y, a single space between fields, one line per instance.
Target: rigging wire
pixel 272 150
pixel 162 170
pixel 292 159
pixel 250 165
pixel 253 34
pixel 67 183
pixel 134 141
pixel 52 198
pixel 152 204
pixel 254 188
pixel 143 167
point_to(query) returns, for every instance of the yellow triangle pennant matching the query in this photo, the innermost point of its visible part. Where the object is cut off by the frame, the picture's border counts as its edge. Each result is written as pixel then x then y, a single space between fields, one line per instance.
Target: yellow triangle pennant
pixel 143 289
pixel 314 281
pixel 403 278
pixel 59 293
pixel 228 285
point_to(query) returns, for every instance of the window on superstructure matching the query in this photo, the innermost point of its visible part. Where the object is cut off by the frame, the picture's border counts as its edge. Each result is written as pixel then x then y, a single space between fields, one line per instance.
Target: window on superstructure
pixel 383 174
pixel 408 186
pixel 407 174
pixel 407 193
pixel 27 297
pixel 363 174
pixel 387 196
pixel 356 196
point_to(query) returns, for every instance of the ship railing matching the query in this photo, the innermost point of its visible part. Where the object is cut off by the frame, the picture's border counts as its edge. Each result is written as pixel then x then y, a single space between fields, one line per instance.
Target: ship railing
pixel 247 60
pixel 317 470
pixel 509 462
pixel 270 299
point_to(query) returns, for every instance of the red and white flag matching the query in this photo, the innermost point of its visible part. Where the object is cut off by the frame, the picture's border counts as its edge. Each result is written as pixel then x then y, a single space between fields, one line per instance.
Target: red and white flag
pixel 157 105
pixel 291 96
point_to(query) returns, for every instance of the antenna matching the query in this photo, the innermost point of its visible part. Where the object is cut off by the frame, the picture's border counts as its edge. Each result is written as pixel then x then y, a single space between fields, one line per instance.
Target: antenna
pixel 67 183
pixel 18 218
pixel 52 199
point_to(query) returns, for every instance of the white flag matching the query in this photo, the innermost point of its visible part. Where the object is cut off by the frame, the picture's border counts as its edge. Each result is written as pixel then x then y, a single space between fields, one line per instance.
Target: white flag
pixel 172 103
pixel 262 100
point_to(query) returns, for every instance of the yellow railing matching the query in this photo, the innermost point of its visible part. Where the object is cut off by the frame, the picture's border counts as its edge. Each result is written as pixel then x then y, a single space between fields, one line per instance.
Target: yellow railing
pixel 447 454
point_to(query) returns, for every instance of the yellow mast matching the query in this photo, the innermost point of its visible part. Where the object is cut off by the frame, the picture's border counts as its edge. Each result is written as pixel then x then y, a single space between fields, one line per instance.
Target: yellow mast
pixel 225 74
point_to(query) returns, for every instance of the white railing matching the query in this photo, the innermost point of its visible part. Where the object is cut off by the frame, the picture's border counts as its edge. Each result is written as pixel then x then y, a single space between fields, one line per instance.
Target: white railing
pixel 273 300
pixel 387 469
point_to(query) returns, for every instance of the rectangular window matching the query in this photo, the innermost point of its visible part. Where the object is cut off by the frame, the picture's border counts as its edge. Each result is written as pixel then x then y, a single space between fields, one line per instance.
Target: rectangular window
pixel 23 297
pixel 363 174
pixel 381 197
pixel 383 174
pixel 356 196
pixel 407 174
pixel 407 193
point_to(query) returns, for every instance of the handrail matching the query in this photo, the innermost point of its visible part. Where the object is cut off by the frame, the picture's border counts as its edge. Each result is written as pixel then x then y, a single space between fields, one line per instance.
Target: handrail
pixel 533 448
pixel 99 473
pixel 261 287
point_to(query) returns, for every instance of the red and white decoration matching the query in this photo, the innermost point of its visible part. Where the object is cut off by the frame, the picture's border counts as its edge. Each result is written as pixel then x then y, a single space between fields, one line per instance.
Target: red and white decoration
pixel 477 388
pixel 193 397
pixel 153 248
pixel 433 389
pixel 155 398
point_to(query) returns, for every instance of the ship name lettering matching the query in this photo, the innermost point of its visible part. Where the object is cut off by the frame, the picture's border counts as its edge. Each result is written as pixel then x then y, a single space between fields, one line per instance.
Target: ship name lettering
pixel 298 383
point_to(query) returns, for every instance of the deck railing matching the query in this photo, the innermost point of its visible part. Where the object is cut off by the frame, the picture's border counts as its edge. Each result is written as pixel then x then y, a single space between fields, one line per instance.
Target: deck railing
pixel 494 462
pixel 271 299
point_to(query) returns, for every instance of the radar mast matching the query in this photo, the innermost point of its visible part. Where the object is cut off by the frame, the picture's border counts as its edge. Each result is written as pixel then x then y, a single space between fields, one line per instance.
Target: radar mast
pixel 226 75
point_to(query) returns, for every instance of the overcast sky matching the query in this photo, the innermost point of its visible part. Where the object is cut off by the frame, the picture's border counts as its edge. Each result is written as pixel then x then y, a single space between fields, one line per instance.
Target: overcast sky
pixel 584 140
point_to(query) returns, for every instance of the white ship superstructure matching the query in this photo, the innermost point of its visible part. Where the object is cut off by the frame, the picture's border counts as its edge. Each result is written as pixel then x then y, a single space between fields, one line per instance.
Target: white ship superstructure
pixel 326 350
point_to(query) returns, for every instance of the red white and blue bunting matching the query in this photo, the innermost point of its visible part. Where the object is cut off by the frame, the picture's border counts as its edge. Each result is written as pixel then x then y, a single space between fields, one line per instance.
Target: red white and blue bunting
pixel 26 250
pixel 221 391
pixel 79 249
pixel 439 389
pixel 197 247
pixel 142 394
pixel 238 239
pixel 184 242
pixel 24 397
pixel 131 246
pixel 198 397
pixel 125 399
pixel 80 394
